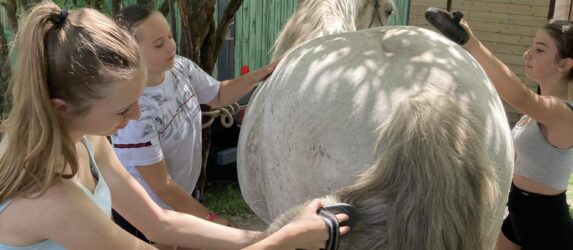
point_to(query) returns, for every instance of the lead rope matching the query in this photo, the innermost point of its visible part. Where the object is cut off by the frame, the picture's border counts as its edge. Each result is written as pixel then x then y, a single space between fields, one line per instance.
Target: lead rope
pixel 226 113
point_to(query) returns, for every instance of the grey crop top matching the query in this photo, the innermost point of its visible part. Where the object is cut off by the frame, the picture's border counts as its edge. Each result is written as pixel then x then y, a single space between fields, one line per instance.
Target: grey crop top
pixel 537 159
pixel 101 197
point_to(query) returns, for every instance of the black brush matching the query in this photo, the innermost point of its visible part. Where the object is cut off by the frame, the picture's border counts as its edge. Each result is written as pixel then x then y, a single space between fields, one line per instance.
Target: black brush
pixel 448 24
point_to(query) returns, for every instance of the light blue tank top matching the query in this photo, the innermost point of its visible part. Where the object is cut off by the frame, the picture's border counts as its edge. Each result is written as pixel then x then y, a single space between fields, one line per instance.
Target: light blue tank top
pixel 101 197
pixel 537 159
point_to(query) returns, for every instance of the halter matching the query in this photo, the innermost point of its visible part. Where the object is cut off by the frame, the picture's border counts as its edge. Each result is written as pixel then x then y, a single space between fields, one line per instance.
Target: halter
pixel 376 14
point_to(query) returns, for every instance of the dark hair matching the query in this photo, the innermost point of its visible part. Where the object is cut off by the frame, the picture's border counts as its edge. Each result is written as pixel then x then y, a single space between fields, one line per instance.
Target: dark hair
pixel 562 32
pixel 131 16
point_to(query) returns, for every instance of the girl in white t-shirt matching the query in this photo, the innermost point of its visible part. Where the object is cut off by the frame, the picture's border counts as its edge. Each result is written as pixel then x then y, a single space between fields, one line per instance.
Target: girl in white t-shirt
pixel 162 149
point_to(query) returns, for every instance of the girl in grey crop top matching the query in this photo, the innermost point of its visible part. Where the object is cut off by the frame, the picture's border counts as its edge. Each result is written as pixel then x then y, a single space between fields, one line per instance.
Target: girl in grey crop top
pixel 101 197
pixel 546 169
pixel 537 159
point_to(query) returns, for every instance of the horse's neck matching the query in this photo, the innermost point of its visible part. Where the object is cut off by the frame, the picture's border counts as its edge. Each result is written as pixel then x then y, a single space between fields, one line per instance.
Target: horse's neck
pixel 316 18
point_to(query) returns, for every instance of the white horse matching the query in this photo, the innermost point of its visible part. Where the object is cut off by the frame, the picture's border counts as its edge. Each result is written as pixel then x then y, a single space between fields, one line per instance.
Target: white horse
pixel 311 130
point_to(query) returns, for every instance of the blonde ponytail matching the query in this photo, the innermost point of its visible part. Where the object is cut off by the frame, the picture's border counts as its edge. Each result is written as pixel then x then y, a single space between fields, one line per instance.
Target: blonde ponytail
pixel 72 58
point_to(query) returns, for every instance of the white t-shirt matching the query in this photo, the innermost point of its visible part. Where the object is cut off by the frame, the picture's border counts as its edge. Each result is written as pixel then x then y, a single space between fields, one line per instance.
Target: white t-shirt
pixel 169 127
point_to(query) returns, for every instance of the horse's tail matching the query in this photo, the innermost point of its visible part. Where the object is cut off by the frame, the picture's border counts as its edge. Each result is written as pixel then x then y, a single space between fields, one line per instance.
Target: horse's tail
pixel 432 178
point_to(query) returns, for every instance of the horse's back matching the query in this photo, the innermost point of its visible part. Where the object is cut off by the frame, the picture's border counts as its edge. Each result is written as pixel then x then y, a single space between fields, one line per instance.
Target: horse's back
pixel 312 127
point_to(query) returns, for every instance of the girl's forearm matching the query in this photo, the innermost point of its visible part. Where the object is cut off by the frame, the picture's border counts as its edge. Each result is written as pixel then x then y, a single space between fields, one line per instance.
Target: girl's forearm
pixel 185 230
pixel 506 83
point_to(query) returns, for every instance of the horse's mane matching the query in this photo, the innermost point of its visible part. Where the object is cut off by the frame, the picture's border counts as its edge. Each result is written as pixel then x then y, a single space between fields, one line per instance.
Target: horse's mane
pixel 312 19
pixel 432 185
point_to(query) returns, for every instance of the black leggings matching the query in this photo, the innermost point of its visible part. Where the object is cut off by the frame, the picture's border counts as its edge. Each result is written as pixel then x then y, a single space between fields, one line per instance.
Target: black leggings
pixel 538 221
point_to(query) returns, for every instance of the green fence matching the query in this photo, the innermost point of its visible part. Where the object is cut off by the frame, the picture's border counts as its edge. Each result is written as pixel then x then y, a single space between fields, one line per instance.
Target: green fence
pixel 258 22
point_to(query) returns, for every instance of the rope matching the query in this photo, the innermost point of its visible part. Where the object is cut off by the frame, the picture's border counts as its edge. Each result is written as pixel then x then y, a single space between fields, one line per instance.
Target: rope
pixel 226 113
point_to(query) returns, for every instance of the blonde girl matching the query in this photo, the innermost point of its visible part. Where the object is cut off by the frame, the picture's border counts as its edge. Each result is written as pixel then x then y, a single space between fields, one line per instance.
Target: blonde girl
pixel 78 78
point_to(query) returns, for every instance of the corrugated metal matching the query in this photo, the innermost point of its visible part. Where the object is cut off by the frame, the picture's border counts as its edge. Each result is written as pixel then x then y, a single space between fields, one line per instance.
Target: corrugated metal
pixel 257 24
pixel 401 13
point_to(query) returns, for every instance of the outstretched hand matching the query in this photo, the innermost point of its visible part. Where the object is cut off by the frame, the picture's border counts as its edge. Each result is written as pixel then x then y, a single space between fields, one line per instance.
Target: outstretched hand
pixel 264 72
pixel 310 230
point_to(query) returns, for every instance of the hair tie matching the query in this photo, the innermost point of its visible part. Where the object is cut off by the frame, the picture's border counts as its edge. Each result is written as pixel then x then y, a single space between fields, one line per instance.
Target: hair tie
pixel 61 18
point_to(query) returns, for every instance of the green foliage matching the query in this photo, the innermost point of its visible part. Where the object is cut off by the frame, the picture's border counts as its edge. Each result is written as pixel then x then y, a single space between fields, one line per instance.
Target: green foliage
pixel 225 198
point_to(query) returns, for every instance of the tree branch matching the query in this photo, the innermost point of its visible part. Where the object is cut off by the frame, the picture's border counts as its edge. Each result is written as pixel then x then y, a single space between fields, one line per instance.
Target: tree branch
pixel 199 20
pixel 222 29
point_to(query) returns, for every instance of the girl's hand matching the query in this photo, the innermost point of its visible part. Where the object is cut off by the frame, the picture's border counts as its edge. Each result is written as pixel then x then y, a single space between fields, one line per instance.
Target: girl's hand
pixel 473 40
pixel 265 71
pixel 308 230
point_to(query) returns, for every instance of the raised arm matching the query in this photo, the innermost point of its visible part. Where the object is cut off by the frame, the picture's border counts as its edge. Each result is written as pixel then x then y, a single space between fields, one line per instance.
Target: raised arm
pixel 548 110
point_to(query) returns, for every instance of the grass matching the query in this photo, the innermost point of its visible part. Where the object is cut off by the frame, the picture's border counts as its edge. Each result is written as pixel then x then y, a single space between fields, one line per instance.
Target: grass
pixel 225 198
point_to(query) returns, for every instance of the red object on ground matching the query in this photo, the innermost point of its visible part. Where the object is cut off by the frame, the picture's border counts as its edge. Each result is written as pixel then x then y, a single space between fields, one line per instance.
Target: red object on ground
pixel 245 69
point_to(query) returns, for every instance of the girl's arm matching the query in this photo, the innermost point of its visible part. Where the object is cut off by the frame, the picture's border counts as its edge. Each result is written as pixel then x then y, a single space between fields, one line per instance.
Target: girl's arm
pixel 157 177
pixel 306 231
pixel 161 226
pixel 66 215
pixel 232 90
pixel 548 110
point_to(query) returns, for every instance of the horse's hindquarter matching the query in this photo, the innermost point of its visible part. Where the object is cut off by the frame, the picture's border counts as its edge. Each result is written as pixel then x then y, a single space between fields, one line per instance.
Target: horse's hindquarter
pixel 312 128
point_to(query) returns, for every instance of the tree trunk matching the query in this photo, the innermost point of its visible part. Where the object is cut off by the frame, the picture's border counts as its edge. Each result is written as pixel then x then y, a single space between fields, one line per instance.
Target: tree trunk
pixel 196 17
pixel 186 46
pixel 201 42
pixel 214 41
pixel 206 41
